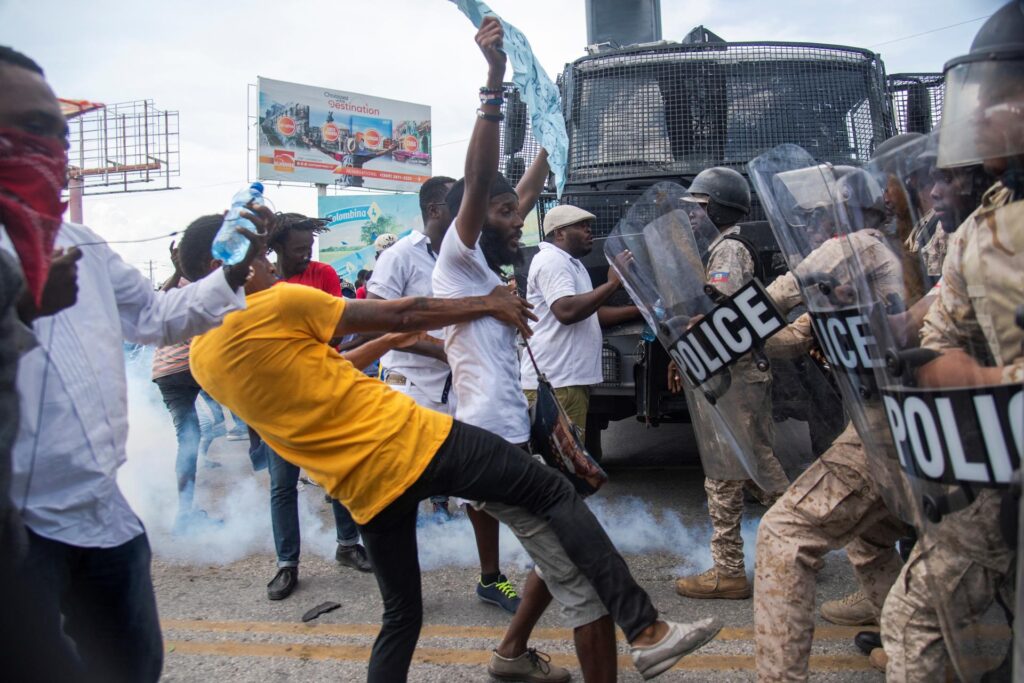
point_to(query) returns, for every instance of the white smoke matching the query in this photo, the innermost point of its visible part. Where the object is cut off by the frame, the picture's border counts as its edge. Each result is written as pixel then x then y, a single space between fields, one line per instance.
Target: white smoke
pixel 240 498
pixel 232 493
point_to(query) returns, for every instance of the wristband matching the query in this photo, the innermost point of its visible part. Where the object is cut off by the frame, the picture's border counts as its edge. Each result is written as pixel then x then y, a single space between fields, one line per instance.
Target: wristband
pixel 491 91
pixel 496 102
pixel 481 114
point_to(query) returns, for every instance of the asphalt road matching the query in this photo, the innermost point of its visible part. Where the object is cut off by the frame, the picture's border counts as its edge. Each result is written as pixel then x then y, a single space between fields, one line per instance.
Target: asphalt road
pixel 219 625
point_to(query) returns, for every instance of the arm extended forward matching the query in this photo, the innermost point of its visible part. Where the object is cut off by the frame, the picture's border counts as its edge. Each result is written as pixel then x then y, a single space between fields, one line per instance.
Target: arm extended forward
pixel 425 313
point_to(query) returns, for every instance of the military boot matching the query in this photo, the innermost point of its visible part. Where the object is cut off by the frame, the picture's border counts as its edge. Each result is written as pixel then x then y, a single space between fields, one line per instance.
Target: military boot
pixel 711 585
pixel 853 610
pixel 879 660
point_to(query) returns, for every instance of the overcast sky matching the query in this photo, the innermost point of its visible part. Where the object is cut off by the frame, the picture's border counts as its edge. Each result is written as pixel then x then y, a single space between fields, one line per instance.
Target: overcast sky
pixel 198 57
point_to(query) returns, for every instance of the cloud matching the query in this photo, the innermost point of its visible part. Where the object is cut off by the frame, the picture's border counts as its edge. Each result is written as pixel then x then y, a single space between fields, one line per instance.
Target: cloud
pixel 198 58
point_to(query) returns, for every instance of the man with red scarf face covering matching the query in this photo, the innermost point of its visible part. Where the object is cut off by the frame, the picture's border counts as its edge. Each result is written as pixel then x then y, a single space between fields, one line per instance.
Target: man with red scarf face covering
pixel 32 168
pixel 87 566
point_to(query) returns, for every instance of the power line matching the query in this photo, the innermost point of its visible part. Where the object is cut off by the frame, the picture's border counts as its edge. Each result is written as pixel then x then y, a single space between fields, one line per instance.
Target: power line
pixel 934 30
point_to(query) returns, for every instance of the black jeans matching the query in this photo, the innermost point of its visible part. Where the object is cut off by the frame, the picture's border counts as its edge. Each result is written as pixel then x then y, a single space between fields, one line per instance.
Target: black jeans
pixel 102 598
pixel 475 464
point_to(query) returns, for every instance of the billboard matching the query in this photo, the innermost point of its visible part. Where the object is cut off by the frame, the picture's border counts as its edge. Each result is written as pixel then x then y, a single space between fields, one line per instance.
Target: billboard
pixel 309 134
pixel 355 221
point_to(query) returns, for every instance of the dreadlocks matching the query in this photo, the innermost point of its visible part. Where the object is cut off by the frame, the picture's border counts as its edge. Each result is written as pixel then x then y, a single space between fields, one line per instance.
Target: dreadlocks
pixel 288 222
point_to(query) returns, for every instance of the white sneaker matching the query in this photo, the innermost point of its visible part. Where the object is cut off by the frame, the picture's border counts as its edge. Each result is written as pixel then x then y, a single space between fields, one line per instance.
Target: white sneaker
pixel 681 640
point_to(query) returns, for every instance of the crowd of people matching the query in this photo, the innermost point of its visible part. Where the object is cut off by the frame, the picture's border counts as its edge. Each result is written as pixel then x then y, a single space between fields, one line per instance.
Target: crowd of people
pixel 411 386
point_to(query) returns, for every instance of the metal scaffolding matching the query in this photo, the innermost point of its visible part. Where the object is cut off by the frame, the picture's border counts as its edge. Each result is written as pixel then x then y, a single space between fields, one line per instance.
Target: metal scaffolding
pixel 123 147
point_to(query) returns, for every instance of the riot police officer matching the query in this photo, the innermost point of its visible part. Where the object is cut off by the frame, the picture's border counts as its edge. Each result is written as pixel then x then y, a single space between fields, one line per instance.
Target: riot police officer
pixel 718 199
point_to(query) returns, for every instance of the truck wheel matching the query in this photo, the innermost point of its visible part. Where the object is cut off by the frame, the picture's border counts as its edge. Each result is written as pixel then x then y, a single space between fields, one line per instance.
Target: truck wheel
pixel 592 441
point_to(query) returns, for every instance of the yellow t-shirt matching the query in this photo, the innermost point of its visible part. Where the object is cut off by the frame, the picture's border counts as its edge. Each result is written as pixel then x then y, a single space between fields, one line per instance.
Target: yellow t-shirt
pixel 360 440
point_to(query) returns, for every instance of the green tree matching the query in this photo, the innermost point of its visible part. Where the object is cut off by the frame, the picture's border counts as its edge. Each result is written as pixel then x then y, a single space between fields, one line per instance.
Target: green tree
pixel 369 231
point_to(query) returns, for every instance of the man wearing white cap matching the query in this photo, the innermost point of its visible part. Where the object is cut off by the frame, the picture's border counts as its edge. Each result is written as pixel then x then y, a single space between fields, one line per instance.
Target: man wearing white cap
pixel 566 339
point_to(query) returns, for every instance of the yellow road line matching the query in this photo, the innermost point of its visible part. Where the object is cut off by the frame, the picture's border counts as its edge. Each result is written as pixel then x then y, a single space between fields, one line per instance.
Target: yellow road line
pixel 356 653
pixel 439 631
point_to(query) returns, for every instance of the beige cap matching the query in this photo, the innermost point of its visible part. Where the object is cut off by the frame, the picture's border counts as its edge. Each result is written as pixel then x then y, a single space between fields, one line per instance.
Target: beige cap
pixel 563 215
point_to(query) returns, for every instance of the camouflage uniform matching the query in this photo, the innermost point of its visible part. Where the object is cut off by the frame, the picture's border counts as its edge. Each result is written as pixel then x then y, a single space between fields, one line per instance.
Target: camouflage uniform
pixel 729 267
pixel 965 554
pixel 836 503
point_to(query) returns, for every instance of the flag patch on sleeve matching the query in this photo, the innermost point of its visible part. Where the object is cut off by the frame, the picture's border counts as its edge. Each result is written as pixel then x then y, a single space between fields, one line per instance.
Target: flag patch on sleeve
pixel 719 277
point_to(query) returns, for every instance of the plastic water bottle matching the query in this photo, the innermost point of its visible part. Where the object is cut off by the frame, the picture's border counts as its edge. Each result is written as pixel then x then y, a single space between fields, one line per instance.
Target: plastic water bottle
pixel 228 245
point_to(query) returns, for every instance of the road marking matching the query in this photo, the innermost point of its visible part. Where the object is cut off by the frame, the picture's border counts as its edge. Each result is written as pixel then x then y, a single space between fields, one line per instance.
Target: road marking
pixel 357 653
pixel 821 632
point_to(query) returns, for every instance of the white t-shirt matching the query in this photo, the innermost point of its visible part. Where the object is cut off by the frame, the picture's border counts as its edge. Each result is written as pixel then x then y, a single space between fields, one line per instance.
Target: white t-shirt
pixel 405 270
pixel 482 353
pixel 568 355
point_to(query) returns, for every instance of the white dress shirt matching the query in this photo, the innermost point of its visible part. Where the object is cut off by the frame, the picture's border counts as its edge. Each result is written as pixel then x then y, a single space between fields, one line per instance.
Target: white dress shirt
pixel 405 270
pixel 74 412
pixel 568 355
pixel 482 353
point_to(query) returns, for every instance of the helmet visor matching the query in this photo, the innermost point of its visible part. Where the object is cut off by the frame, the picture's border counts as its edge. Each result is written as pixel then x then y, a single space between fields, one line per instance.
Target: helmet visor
pixel 983 112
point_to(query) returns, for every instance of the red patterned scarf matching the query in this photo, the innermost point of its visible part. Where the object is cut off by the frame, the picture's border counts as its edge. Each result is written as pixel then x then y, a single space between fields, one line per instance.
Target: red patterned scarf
pixel 33 170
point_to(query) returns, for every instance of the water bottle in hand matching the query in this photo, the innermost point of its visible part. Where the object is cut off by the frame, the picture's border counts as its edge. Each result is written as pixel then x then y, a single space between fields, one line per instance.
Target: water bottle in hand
pixel 229 246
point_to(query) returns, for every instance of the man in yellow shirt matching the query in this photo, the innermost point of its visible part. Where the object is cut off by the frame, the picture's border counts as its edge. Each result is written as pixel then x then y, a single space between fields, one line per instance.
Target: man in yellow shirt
pixel 379 453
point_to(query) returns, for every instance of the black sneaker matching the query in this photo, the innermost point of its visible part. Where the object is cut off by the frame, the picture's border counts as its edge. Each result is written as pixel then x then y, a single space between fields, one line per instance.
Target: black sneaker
pixel 866 641
pixel 282 585
pixel 501 593
pixel 353 556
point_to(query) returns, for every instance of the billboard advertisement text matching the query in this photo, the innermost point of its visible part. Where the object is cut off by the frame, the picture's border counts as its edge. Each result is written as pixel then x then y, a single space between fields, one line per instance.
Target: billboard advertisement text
pixel 355 221
pixel 309 134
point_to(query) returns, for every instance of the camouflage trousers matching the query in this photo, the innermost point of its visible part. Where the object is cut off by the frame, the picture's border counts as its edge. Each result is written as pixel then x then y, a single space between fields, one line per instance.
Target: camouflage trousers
pixel 832 505
pixel 968 578
pixel 725 507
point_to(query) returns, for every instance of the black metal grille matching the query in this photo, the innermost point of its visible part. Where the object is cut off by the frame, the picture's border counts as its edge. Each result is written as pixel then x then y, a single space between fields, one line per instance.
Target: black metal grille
pixel 679 109
pixel 518 147
pixel 610 366
pixel 916 101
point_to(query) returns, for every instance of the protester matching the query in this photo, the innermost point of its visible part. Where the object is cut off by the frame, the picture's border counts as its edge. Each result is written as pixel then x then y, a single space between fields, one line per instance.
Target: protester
pixel 566 343
pixel 85 543
pixel 384 241
pixel 179 391
pixel 329 422
pixel 420 371
pixel 362 278
pixel 291 239
pixel 33 140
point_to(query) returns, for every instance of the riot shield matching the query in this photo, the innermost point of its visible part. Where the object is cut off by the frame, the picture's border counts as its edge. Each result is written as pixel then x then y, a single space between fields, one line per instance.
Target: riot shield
pixel 827 220
pixel 717 340
pixel 953 400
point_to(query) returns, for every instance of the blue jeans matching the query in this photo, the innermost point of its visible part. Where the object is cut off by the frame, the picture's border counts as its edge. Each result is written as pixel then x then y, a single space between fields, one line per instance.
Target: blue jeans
pixel 179 392
pixel 284 510
pixel 102 599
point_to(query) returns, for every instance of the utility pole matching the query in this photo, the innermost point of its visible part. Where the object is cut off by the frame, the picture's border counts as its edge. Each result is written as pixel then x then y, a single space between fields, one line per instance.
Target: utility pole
pixel 151 280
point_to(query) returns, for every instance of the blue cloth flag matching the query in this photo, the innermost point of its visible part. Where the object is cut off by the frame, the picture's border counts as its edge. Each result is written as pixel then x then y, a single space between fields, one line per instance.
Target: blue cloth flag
pixel 537 90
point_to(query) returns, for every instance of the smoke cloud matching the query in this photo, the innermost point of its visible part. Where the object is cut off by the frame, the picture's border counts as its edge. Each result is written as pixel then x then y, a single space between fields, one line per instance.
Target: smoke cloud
pixel 240 498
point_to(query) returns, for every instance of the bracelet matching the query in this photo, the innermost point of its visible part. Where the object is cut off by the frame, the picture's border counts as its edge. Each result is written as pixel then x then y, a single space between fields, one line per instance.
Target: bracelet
pixel 481 114
pixel 496 101
pixel 491 91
